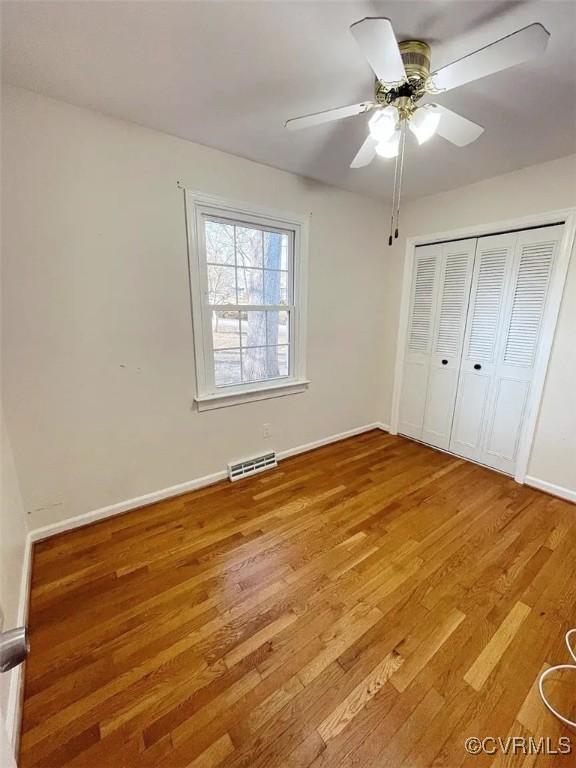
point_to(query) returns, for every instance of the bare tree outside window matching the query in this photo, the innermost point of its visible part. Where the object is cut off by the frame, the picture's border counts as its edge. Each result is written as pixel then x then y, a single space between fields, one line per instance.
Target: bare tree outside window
pixel 248 268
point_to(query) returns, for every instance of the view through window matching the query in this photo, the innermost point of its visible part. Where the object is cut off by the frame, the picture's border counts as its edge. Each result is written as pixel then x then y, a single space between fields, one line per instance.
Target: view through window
pixel 249 286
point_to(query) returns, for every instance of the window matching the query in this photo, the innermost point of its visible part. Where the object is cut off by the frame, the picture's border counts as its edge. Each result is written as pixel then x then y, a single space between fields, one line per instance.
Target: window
pixel 247 270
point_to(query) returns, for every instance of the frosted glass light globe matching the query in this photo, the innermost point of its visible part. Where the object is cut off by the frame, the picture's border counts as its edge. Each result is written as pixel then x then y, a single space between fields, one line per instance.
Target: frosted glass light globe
pixel 424 122
pixel 389 148
pixel 383 124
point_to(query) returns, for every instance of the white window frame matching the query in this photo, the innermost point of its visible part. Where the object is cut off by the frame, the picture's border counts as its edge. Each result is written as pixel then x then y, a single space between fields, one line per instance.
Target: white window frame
pixel 199 206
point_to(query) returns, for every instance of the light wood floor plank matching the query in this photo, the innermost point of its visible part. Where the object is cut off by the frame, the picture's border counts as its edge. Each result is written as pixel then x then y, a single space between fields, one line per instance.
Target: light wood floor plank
pixel 491 655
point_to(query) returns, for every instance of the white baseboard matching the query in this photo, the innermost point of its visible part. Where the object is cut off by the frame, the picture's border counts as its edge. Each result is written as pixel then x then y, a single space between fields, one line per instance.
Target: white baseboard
pixel 331 439
pixel 176 490
pixel 16 686
pixel 125 506
pixel 555 490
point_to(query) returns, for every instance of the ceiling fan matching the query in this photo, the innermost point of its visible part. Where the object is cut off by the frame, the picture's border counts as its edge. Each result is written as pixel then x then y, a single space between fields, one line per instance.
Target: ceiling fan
pixel 403 78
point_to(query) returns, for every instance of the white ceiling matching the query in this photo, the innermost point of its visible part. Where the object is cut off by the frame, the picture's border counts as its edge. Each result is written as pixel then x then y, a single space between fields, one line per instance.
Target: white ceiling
pixel 228 74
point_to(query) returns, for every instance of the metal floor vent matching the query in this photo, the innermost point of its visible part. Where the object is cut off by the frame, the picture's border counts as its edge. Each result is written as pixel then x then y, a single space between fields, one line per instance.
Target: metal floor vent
pixel 252 466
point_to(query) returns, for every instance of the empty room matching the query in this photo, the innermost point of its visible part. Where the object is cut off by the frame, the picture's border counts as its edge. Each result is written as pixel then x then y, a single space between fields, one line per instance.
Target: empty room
pixel 288 365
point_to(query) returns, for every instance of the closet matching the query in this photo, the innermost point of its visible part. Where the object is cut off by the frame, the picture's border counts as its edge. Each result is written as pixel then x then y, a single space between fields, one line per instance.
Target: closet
pixel 475 316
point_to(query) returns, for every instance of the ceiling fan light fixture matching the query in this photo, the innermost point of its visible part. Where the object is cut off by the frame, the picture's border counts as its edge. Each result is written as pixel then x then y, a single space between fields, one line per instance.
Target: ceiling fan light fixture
pixel 389 149
pixel 383 124
pixel 424 122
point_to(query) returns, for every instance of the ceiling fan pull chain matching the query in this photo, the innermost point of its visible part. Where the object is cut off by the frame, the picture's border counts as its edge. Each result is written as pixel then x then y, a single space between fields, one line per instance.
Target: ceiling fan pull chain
pixel 393 201
pixel 401 153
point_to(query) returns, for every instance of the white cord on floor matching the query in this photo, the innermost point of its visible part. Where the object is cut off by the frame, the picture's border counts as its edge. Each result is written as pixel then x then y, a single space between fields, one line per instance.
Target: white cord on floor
pixel 548 672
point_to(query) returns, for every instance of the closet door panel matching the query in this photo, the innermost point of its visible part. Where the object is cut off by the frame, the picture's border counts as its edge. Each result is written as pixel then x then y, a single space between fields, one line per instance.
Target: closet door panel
pixel 531 272
pixel 505 422
pixel 414 386
pixel 470 414
pixel 419 341
pixel 439 406
pixel 456 264
pixel 492 268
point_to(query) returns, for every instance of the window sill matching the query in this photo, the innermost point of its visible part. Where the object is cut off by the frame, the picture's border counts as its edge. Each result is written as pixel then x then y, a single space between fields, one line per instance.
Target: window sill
pixel 225 399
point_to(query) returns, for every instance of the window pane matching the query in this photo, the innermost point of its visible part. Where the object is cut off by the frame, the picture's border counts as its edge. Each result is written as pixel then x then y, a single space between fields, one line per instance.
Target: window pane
pixel 277 330
pixel 254 364
pixel 282 354
pixel 221 285
pixel 227 367
pixel 253 329
pixel 250 286
pixel 275 250
pixel 225 330
pixel 249 247
pixel 260 363
pixel 219 242
pixel 248 268
pixel 275 287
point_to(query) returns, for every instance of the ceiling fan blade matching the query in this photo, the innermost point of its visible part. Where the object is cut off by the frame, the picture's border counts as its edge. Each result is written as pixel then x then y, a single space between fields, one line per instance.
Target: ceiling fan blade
pixel 378 43
pixel 507 52
pixel 317 118
pixel 457 129
pixel 365 154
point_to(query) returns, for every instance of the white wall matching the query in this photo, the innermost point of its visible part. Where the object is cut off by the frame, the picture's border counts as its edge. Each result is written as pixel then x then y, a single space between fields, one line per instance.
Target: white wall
pixel 13 531
pixel 539 188
pixel 98 357
pixel 6 751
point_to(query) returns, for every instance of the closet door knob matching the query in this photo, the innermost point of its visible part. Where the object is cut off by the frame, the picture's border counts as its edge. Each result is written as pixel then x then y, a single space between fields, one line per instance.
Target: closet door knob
pixel 477 367
pixel 444 362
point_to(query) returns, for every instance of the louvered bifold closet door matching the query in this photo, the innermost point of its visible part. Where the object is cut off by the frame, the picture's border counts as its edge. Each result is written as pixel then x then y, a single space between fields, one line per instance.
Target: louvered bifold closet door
pixel 421 319
pixel 454 277
pixel 512 274
pixel 535 255
pixel 492 268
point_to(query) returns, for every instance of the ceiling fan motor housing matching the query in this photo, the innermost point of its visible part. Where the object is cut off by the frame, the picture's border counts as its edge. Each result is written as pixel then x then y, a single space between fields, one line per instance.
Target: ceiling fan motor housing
pixel 416 58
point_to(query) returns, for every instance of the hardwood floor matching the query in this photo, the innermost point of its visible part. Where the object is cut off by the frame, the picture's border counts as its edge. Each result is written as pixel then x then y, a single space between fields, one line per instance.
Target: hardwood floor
pixel 371 603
